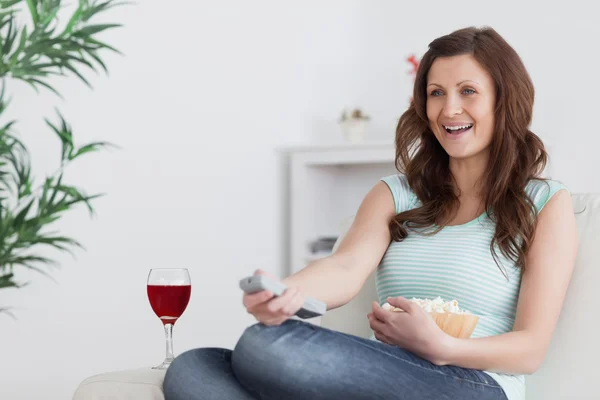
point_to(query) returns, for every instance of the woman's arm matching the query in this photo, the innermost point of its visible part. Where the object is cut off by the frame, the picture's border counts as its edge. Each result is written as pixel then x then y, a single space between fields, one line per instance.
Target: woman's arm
pixel 336 279
pixel 544 284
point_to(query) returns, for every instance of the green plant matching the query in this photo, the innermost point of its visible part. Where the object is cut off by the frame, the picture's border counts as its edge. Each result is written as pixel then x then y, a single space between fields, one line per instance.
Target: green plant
pixel 34 51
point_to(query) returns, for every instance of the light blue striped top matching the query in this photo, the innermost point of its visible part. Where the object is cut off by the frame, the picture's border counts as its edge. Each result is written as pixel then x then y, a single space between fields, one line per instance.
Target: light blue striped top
pixel 456 263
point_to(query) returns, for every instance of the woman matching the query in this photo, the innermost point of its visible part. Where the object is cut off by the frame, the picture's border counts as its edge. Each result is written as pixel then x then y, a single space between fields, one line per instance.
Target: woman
pixel 468 219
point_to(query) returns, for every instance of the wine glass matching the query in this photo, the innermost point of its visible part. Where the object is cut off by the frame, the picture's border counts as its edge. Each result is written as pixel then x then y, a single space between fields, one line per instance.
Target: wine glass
pixel 169 292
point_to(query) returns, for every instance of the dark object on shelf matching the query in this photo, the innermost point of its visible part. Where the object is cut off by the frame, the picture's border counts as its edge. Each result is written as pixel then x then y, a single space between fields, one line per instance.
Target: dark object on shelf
pixel 323 244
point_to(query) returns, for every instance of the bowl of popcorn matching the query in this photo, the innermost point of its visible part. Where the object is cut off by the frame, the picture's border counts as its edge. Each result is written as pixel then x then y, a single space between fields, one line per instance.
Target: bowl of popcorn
pixel 447 315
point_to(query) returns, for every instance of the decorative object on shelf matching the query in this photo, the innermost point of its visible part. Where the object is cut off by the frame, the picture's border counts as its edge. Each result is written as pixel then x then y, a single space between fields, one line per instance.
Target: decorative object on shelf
pixel 33 51
pixel 323 244
pixel 414 62
pixel 354 125
pixel 321 247
pixel 412 59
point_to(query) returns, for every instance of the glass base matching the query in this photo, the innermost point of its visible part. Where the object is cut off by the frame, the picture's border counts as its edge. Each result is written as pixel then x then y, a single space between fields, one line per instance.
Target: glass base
pixel 164 365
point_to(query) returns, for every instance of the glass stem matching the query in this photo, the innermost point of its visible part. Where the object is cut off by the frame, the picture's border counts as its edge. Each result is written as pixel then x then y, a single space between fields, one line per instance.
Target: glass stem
pixel 169 338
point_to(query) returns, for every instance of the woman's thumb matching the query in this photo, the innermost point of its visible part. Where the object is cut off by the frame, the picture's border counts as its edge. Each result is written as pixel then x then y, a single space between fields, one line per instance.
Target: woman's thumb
pixel 402 303
pixel 265 273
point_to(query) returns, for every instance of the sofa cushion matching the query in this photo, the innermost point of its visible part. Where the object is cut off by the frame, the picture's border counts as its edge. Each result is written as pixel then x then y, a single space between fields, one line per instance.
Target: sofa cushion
pixel 136 384
pixel 571 366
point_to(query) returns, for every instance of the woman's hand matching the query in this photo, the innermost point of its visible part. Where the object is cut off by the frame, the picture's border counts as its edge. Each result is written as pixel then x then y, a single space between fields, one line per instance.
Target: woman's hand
pixel 413 330
pixel 271 310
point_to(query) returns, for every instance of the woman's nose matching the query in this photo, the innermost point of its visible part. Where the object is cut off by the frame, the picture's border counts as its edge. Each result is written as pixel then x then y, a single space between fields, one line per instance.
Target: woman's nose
pixel 452 107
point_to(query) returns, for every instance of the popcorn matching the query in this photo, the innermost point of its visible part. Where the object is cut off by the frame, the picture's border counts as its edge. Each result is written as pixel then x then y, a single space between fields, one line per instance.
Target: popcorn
pixel 437 305
pixel 447 315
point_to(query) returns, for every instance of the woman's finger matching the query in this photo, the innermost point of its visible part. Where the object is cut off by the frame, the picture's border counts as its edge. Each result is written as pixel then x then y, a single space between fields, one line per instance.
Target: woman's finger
pixel 275 305
pixel 251 300
pixel 294 304
pixel 403 303
pixel 265 273
pixel 274 321
pixel 380 313
pixel 377 325
pixel 382 338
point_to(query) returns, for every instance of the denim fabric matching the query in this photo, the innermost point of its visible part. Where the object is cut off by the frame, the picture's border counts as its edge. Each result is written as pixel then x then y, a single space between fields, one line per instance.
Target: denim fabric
pixel 298 360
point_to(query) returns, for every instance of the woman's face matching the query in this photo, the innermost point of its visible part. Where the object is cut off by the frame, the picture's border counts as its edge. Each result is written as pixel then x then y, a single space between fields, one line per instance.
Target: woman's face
pixel 461 97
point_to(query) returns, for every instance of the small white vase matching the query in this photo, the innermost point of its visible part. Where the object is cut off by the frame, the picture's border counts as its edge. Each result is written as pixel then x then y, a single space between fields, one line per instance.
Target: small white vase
pixel 354 130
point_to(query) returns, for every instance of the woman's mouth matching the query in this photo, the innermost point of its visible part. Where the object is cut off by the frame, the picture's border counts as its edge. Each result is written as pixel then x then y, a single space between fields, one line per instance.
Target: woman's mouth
pixel 456 131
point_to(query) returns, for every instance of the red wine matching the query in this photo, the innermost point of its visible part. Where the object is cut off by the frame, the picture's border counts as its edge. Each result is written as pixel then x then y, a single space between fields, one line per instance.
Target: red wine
pixel 169 301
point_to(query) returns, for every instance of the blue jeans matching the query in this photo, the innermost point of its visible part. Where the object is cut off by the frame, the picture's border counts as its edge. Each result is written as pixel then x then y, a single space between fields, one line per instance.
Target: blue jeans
pixel 297 360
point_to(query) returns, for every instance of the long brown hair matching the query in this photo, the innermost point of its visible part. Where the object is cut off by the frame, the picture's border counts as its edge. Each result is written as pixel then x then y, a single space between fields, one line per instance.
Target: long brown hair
pixel 517 155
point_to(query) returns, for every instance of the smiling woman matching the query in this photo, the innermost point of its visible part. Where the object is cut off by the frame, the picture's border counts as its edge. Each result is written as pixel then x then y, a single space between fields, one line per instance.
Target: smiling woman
pixel 467 218
pixel 473 104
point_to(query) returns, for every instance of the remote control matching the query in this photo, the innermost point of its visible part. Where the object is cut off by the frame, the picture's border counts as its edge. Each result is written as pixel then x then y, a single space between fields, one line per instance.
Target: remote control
pixel 255 283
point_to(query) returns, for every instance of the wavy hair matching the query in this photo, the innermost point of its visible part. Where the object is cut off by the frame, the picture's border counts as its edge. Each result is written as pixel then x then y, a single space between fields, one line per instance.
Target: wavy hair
pixel 517 155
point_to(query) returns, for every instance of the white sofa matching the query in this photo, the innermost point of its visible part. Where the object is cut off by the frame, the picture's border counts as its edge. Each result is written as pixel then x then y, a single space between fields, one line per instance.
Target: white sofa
pixel 569 371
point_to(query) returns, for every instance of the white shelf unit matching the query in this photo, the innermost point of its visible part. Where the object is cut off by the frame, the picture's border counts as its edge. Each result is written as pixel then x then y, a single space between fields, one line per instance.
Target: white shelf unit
pixel 326 186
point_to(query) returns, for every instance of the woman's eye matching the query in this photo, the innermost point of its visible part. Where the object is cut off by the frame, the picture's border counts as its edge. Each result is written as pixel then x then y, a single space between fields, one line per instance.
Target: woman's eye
pixel 436 92
pixel 468 91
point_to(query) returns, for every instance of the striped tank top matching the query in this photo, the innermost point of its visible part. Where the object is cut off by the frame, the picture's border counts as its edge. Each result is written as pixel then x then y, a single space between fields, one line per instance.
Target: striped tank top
pixel 456 263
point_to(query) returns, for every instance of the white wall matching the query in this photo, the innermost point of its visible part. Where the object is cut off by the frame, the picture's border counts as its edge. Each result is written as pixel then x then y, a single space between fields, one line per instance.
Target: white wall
pixel 205 94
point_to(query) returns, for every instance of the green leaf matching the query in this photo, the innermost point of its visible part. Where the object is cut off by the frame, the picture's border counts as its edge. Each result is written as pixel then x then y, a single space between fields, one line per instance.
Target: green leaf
pixel 59 242
pixel 3 103
pixel 100 45
pixel 6 311
pixel 29 259
pixel 8 3
pixel 65 136
pixel 86 201
pixel 6 280
pixel 22 41
pixel 89 13
pixel 68 66
pixel 98 60
pixel 55 190
pixel 93 29
pixel 56 130
pixel 89 148
pixel 45 221
pixel 27 262
pixel 70 190
pixel 33 81
pixel 30 73
pixel 75 18
pixel 43 200
pixel 5 19
pixel 32 4
pixel 51 15
pixel 10 38
pixel 81 60
pixel 18 222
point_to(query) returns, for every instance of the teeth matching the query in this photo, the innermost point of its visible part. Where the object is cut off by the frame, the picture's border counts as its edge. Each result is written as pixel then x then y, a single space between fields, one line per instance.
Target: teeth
pixel 456 128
